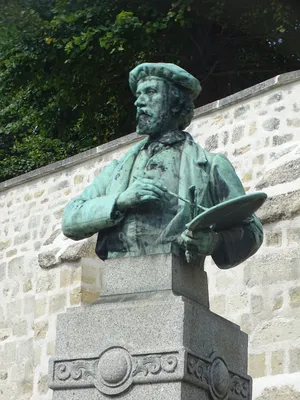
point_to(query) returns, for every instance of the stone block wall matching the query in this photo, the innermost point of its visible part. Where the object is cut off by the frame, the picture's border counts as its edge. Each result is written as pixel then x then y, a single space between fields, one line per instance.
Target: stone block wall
pixel 261 136
pixel 43 274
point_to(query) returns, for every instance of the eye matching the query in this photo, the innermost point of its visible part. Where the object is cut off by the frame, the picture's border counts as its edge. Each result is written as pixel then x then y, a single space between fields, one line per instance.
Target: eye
pixel 151 91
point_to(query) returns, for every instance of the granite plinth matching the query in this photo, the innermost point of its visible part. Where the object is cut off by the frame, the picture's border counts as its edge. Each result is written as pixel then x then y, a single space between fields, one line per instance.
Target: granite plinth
pixel 153 345
pixel 153 274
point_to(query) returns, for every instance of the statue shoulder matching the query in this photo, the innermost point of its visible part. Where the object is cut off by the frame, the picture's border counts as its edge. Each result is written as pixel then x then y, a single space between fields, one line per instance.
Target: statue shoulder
pixel 206 159
pixel 200 153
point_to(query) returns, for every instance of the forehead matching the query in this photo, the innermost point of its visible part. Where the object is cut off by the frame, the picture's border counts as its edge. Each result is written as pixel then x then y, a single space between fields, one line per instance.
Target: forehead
pixel 151 81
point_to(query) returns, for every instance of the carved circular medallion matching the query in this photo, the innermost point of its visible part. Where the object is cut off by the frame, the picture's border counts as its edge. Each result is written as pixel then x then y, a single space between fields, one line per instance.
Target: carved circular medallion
pixel 220 378
pixel 114 371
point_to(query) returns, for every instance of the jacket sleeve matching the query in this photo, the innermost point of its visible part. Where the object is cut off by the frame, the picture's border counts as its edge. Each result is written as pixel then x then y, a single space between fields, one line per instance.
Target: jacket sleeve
pixel 242 241
pixel 93 210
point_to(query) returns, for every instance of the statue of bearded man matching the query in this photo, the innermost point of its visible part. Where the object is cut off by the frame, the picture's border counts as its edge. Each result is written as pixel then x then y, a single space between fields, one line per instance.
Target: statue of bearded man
pixel 130 204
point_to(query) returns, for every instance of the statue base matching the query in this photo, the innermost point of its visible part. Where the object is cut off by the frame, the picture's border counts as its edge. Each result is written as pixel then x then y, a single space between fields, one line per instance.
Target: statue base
pixel 150 336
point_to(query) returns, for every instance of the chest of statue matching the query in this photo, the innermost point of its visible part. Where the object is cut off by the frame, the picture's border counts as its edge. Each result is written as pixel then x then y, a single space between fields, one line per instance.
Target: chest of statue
pixel 142 229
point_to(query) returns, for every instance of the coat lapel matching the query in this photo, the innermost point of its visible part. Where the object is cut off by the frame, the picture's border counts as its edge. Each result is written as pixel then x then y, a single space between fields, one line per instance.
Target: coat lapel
pixel 193 170
pixel 122 173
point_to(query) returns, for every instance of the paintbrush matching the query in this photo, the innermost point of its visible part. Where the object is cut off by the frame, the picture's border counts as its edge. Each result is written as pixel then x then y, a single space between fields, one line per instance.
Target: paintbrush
pixel 201 208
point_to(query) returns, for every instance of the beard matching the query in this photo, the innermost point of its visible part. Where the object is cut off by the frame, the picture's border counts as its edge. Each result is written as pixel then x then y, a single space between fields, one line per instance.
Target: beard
pixel 152 125
pixel 146 125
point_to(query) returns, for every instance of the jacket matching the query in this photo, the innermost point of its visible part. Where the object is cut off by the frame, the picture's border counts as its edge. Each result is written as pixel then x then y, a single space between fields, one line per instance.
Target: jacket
pixel 214 178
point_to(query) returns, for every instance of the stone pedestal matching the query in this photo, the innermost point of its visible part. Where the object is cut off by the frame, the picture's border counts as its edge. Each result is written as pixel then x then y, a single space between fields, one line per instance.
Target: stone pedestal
pixel 150 336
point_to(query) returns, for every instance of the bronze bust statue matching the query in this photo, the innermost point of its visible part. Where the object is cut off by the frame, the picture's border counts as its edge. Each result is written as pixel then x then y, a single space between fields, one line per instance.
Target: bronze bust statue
pixel 142 203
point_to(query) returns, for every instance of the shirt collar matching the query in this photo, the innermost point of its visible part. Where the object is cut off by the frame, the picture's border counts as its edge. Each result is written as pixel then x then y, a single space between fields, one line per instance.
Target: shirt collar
pixel 167 139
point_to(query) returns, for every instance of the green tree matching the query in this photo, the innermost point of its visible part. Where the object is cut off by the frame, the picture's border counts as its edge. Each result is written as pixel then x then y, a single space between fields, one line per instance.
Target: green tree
pixel 64 64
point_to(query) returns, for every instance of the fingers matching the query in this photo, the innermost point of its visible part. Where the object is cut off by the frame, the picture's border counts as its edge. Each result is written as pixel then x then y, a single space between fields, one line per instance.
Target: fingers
pixel 155 183
pixel 205 241
pixel 188 241
pixel 196 238
pixel 150 188
pixel 146 193
pixel 146 198
pixel 197 234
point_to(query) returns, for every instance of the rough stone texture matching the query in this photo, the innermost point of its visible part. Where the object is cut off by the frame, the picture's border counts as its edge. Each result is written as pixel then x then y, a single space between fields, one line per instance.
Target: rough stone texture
pixel 280 139
pixel 2 271
pixel 279 109
pixel 52 237
pixel 162 272
pixel 257 365
pixel 29 195
pixel 40 330
pixel 5 244
pixel 15 266
pixel 275 98
pixel 293 236
pixel 40 307
pixel 272 268
pixel 27 285
pixel 282 152
pixel 278 302
pixel 271 124
pixel 277 360
pixel 57 303
pixel 21 239
pixel 48 258
pixel 257 304
pixel 78 250
pixel 280 207
pixel 237 133
pixel 241 111
pixel 294 360
pixel 295 297
pixel 287 172
pixel 259 160
pixel 294 122
pixel 212 142
pixel 242 150
pixel 285 393
pixel 273 239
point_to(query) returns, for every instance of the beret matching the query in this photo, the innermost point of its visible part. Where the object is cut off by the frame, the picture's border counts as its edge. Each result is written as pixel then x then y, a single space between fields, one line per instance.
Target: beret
pixel 177 75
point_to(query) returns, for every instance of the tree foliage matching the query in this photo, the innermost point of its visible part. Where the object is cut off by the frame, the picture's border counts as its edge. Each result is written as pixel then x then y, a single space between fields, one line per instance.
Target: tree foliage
pixel 64 64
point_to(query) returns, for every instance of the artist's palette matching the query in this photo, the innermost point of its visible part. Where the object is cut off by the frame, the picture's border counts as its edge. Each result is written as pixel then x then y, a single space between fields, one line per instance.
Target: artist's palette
pixel 229 213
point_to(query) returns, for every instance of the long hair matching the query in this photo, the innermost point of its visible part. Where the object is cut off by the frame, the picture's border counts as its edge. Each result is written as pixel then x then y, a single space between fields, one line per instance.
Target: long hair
pixel 182 105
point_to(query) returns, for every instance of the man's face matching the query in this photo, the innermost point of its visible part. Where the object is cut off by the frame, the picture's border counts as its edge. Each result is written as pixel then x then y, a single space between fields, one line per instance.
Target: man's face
pixel 153 115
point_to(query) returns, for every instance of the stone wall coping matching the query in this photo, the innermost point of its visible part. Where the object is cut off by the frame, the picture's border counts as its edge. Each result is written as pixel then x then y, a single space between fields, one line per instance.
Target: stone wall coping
pixel 71 161
pixel 272 83
pixel 80 158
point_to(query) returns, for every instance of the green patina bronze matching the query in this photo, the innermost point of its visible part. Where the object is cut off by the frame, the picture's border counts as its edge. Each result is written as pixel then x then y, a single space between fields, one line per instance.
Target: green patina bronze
pixel 142 203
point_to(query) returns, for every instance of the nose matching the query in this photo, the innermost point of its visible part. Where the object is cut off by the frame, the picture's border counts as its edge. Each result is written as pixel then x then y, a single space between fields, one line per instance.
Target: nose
pixel 140 101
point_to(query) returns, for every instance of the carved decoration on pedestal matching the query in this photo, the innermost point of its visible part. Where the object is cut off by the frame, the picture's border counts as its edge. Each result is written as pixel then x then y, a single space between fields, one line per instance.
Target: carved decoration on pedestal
pixel 115 370
pixel 214 375
pixel 155 364
pixel 75 371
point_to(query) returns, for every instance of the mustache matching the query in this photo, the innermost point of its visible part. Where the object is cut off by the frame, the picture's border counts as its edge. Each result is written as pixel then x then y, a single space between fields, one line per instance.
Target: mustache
pixel 143 111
